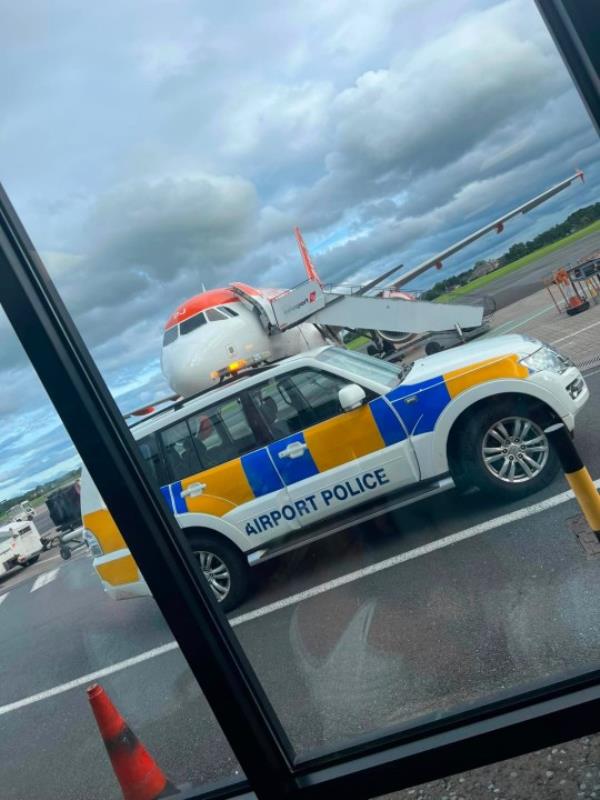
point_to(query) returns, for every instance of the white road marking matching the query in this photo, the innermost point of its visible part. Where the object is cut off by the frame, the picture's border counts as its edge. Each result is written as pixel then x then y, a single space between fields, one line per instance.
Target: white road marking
pixel 89 678
pixel 460 536
pixel 43 579
pixel 3 597
pixel 401 558
pixel 571 335
pixel 505 326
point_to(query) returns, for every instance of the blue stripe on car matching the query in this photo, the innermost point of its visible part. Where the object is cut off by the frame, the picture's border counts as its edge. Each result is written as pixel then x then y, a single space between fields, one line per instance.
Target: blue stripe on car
pixel 420 404
pixel 178 500
pixel 293 470
pixel 261 474
pixel 390 427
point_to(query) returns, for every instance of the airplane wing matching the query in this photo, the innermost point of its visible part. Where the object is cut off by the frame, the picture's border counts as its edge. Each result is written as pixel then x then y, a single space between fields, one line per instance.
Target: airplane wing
pixel 498 225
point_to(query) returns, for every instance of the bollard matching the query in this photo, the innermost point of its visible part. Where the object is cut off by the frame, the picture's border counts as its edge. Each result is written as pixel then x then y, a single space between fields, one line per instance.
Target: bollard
pixel 577 475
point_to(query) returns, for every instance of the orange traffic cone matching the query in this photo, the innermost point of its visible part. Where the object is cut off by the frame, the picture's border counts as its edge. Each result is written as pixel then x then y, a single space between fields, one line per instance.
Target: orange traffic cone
pixel 138 773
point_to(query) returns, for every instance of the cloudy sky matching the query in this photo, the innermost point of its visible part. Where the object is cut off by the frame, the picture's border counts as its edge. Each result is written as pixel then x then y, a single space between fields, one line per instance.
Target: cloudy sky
pixel 153 145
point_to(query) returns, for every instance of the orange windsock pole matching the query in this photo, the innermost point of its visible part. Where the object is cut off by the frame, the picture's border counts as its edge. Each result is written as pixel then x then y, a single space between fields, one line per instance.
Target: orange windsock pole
pixel 138 773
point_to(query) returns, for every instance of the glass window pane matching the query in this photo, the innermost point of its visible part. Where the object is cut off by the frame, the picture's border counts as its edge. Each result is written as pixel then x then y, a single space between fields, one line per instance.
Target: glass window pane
pixel 215 315
pixel 320 391
pixel 421 552
pixel 170 335
pixel 189 325
pixel 153 456
pixel 180 454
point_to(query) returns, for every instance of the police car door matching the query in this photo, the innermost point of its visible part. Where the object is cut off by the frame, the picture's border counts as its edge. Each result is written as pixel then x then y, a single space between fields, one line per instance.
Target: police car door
pixel 331 460
pixel 218 468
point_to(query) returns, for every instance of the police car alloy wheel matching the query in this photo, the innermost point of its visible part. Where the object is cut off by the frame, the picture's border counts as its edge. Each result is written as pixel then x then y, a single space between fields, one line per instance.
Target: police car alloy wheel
pixel 216 573
pixel 504 451
pixel 224 567
pixel 515 449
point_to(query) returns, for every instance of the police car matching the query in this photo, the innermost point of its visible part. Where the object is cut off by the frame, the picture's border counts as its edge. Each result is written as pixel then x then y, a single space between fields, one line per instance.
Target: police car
pixel 286 453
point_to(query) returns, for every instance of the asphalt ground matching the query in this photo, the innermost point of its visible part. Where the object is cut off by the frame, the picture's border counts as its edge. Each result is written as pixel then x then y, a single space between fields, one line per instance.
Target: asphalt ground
pixel 529 279
pixel 441 605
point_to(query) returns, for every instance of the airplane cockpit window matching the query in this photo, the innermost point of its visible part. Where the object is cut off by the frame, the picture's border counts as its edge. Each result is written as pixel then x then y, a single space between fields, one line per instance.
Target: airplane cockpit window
pixel 192 323
pixel 215 315
pixel 170 335
pixel 228 311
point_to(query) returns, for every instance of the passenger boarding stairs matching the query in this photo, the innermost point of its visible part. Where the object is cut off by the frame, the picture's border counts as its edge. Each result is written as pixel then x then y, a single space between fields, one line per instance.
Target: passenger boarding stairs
pixel 346 308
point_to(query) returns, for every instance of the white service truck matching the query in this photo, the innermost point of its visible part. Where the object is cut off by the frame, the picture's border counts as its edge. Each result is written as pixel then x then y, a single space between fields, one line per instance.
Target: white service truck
pixel 20 545
pixel 22 511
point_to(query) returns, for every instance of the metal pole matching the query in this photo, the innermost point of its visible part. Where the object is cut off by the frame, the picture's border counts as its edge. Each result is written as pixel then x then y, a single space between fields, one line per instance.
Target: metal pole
pixel 577 475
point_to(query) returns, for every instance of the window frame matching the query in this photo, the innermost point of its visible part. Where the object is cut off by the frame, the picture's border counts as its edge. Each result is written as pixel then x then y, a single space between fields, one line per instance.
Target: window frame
pixel 382 762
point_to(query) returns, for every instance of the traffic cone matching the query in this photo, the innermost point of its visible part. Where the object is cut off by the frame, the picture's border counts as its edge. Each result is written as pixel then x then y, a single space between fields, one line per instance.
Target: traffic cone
pixel 138 773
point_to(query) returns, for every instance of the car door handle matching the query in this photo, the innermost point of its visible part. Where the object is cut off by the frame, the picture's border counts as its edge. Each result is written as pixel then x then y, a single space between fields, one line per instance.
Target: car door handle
pixel 293 450
pixel 193 490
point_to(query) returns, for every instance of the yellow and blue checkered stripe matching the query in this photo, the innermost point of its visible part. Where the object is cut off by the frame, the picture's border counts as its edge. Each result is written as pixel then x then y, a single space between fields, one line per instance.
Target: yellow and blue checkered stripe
pixel 261 472
pixel 420 404
pixel 409 409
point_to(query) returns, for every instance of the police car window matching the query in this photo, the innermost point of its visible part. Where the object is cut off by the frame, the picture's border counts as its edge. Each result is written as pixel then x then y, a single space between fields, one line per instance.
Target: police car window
pixel 180 453
pixel 214 315
pixel 222 432
pixel 189 325
pixel 234 426
pixel 150 451
pixel 228 311
pixel 281 414
pixel 292 402
pixel 320 392
pixel 170 335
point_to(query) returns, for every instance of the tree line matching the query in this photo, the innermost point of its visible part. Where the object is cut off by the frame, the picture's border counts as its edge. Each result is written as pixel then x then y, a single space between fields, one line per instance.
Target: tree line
pixel 574 222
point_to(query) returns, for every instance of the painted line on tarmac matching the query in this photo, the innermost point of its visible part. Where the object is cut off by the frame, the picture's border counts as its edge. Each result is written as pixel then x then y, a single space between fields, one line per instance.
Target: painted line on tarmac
pixel 460 536
pixel 401 558
pixel 571 335
pixel 3 597
pixel 518 322
pixel 89 678
pixel 43 579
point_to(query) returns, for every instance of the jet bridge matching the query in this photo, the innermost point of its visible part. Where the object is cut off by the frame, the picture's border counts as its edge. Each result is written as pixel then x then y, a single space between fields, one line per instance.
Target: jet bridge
pixel 310 302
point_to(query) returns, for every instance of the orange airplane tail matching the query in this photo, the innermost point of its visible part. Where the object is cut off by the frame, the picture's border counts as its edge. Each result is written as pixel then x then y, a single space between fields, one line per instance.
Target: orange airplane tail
pixel 308 265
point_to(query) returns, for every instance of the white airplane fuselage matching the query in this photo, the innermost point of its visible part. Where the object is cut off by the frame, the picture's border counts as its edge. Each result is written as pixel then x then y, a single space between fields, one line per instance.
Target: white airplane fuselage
pixel 191 354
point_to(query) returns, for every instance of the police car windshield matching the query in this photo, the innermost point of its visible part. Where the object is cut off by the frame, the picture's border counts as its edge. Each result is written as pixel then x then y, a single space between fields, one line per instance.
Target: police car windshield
pixel 364 366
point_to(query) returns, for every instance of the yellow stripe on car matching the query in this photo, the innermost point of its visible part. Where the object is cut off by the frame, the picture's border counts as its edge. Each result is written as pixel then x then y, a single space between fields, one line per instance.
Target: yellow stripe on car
pixel 343 438
pixel 121 570
pixel 103 526
pixel 459 380
pixel 226 487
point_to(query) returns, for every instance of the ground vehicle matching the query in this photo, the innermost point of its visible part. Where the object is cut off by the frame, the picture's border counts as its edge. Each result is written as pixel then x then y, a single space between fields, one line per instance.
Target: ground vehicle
pixel 296 451
pixel 22 511
pixel 64 507
pixel 20 545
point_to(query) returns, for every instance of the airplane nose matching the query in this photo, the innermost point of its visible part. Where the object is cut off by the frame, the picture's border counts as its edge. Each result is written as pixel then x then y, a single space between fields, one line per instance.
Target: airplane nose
pixel 187 367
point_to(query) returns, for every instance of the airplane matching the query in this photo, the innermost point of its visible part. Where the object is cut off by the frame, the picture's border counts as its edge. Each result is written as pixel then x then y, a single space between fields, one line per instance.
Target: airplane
pixel 222 326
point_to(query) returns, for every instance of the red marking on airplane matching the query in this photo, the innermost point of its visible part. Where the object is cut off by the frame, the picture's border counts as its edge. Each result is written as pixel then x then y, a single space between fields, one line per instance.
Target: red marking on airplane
pixel 201 302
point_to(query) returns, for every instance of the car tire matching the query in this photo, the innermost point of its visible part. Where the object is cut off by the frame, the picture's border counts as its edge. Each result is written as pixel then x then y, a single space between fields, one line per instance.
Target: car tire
pixel 504 451
pixel 33 559
pixel 224 567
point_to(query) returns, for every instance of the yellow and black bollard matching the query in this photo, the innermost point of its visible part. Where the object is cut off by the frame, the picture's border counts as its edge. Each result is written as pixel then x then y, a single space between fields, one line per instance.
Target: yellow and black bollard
pixel 576 474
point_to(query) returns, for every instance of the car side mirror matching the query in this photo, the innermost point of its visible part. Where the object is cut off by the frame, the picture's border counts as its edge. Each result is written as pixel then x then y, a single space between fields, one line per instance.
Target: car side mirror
pixel 351 396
